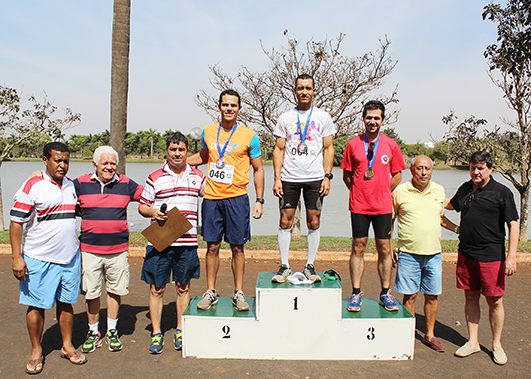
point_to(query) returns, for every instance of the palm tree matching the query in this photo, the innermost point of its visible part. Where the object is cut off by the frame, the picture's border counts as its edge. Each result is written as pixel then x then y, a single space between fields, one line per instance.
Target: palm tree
pixel 120 77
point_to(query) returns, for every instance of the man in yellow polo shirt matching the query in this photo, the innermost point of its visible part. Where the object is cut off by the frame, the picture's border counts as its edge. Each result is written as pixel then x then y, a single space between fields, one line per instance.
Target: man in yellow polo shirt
pixel 418 206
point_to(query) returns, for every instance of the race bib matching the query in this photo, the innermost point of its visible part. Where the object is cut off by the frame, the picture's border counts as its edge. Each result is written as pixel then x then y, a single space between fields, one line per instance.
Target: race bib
pixel 310 151
pixel 221 175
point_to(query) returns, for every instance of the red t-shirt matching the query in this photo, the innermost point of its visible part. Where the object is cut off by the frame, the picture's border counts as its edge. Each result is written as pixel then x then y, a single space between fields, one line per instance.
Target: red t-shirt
pixel 372 197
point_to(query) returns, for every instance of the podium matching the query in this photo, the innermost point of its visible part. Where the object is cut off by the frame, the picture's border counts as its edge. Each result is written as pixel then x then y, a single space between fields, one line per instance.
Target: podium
pixel 287 321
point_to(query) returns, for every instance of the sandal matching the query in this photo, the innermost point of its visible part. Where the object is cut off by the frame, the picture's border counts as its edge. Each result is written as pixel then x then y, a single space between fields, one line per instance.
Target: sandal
pixel 34 366
pixel 76 358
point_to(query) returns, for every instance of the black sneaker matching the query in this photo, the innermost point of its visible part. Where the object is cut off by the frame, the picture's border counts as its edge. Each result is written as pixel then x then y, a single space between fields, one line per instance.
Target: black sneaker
pixel 309 271
pixel 283 272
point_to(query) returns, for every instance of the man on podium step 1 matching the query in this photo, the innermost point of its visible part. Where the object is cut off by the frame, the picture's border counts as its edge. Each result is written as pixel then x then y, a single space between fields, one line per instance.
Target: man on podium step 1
pixel 302 161
pixel 372 168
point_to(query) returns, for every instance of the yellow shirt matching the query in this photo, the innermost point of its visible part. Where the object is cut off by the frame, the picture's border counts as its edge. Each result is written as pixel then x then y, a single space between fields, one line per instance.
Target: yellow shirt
pixel 419 218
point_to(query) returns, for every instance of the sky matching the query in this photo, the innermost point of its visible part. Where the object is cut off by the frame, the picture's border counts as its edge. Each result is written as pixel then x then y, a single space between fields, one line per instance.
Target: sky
pixel 63 48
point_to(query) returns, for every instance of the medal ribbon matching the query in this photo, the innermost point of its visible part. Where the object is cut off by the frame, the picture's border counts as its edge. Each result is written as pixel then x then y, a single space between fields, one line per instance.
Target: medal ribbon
pixel 303 135
pixel 371 162
pixel 221 152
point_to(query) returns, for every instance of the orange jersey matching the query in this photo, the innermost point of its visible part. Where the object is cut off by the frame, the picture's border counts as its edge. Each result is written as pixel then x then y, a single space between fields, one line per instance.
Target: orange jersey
pixel 231 180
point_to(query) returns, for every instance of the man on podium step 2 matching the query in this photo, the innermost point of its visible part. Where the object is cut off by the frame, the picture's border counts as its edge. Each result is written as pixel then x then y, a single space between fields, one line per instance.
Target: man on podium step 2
pixel 372 168
pixel 228 147
pixel 302 161
pixel 418 207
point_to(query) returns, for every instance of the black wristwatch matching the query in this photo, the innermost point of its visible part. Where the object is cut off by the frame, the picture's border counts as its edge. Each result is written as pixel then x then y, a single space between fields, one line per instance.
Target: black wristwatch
pixel 329 176
pixel 260 200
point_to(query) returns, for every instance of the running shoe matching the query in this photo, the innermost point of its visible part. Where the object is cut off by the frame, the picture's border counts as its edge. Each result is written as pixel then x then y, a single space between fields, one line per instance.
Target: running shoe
pixel 178 339
pixel 157 343
pixel 309 271
pixel 354 305
pixel 388 302
pixel 113 342
pixel 239 301
pixel 92 342
pixel 283 272
pixel 209 299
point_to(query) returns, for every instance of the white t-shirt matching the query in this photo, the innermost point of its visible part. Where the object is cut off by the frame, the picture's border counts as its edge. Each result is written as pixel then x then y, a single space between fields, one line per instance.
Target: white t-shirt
pixel 49 212
pixel 303 166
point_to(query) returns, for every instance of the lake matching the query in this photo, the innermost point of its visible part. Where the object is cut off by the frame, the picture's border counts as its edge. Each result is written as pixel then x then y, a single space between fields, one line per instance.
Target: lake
pixel 335 217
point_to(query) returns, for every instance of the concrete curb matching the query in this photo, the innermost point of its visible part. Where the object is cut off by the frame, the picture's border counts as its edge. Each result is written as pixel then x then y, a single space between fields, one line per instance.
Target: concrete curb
pixel 273 255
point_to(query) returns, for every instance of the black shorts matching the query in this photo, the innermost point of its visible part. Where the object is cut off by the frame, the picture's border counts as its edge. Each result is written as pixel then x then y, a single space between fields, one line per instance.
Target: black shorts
pixel 310 193
pixel 381 224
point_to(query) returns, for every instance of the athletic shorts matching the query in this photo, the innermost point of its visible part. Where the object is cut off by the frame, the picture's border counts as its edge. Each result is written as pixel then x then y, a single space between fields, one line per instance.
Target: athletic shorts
pixel 182 261
pixel 489 277
pixel 48 282
pixel 415 271
pixel 381 225
pixel 310 193
pixel 113 269
pixel 226 217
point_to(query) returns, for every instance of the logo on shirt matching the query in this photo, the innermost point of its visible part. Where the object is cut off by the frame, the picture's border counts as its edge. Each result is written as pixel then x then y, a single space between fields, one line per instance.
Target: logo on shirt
pixel 385 159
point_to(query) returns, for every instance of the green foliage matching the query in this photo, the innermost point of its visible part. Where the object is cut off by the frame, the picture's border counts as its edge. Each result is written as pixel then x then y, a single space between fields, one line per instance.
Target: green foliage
pixel 340 145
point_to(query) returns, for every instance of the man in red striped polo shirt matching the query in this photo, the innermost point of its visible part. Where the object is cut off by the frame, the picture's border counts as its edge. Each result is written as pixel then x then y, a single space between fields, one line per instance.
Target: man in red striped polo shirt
pixel 103 199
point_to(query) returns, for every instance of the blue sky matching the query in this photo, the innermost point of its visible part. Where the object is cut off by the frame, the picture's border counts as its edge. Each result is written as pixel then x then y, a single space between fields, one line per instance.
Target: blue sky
pixel 63 47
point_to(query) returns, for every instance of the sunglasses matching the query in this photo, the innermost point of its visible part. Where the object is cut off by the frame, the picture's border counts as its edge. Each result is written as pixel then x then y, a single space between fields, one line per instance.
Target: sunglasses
pixel 371 151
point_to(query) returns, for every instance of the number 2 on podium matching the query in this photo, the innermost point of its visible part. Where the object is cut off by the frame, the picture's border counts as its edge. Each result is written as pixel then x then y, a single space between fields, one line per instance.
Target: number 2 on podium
pixel 226 331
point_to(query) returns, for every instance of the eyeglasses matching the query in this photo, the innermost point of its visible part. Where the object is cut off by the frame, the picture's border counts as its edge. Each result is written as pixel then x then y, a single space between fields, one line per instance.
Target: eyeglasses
pixel 469 198
pixel 371 151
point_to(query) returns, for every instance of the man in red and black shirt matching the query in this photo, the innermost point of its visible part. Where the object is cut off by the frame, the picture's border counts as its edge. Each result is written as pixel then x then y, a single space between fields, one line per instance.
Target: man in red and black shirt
pixel 103 199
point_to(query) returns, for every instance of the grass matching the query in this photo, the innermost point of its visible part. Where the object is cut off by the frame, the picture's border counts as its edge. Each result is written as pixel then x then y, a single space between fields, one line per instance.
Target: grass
pixel 297 244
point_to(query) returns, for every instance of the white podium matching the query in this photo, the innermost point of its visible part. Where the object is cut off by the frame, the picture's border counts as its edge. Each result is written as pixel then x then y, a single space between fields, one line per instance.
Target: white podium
pixel 287 321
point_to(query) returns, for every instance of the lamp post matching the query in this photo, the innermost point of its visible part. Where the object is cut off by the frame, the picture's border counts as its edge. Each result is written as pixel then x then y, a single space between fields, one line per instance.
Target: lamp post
pixel 195 134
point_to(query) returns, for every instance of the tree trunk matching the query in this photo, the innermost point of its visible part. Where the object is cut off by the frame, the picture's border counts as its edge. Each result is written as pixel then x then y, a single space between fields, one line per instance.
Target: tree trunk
pixel 120 77
pixel 296 227
pixel 524 214
pixel 2 226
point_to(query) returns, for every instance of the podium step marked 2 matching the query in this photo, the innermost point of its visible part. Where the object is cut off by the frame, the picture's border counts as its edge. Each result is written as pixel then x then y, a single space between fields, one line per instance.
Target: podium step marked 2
pixel 288 321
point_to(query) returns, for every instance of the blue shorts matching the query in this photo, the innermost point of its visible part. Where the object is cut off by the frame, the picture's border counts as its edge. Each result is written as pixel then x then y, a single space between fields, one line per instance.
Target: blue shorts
pixel 229 217
pixel 48 282
pixel 181 260
pixel 419 271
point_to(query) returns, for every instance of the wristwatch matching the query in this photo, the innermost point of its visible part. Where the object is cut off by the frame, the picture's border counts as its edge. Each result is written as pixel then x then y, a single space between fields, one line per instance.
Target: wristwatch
pixel 260 200
pixel 329 176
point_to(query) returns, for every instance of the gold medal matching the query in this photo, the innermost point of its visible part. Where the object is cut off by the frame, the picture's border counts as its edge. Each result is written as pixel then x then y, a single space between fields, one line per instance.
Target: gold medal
pixel 369 174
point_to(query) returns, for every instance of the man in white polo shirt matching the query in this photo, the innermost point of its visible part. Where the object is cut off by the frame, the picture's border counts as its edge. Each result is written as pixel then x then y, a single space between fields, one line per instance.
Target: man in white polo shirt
pixel 48 265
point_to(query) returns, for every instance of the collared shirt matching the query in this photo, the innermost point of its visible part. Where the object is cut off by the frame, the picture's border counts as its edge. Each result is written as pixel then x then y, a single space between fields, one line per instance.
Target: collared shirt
pixel 484 213
pixel 103 208
pixel 164 186
pixel 418 216
pixel 49 212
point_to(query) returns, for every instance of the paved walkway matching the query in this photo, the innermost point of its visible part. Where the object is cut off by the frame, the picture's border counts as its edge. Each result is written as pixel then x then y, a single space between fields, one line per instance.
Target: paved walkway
pixel 135 362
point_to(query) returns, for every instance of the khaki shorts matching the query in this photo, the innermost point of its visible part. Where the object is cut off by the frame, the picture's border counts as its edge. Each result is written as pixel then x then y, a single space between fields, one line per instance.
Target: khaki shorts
pixel 111 268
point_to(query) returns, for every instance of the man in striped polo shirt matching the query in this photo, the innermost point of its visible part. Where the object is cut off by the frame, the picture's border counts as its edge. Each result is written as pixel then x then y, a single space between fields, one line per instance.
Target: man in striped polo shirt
pixel 179 185
pixel 48 264
pixel 103 197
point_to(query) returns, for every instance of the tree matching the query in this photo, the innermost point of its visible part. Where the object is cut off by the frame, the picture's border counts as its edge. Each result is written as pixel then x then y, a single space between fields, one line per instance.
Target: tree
pixel 510 59
pixel 343 84
pixel 120 77
pixel 35 124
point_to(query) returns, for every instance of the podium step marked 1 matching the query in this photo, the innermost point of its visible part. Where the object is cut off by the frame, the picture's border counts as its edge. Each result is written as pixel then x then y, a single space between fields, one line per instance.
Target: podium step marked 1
pixel 288 321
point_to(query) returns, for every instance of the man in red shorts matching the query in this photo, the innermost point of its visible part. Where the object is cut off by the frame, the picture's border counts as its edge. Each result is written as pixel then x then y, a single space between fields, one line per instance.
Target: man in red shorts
pixel 485 206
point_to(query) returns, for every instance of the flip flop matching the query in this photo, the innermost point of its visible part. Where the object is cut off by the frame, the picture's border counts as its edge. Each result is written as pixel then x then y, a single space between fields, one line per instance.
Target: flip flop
pixel 34 366
pixel 76 358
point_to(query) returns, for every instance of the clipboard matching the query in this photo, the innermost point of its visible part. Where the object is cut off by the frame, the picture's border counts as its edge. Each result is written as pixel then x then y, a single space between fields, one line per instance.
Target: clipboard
pixel 163 233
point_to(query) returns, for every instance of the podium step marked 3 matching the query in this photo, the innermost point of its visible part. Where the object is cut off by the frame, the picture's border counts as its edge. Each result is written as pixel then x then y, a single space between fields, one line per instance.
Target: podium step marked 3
pixel 288 321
